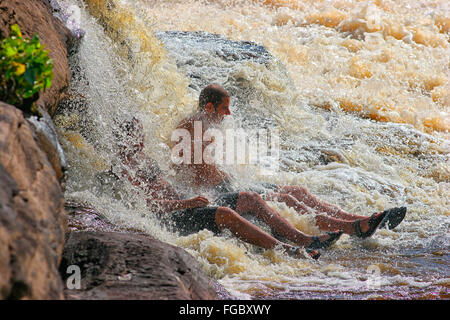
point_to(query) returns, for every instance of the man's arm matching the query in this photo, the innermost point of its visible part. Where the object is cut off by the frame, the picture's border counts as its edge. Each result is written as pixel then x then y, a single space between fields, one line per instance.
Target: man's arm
pixel 164 198
pixel 166 206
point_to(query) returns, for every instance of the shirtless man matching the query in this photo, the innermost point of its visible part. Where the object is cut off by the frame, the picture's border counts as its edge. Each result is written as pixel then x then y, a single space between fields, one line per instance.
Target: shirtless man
pixel 192 215
pixel 214 105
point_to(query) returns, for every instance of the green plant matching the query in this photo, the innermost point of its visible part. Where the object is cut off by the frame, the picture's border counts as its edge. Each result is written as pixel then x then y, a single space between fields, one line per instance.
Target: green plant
pixel 25 70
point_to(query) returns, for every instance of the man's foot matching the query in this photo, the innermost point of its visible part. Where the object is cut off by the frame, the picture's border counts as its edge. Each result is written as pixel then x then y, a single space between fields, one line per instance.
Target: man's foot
pixel 333 237
pixel 298 252
pixel 366 228
pixel 395 216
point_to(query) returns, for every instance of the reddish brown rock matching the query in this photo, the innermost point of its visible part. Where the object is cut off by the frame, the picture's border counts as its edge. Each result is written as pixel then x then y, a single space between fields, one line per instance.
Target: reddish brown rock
pixel 126 266
pixel 86 218
pixel 35 16
pixel 32 217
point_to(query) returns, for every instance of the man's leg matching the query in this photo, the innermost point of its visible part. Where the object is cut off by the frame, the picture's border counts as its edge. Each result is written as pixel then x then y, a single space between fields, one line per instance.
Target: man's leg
pixel 303 195
pixel 323 222
pixel 251 202
pixel 227 218
pixel 338 219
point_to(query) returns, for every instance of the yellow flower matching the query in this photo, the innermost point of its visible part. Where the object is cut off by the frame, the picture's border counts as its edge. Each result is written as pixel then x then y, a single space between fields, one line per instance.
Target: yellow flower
pixel 20 68
pixel 15 28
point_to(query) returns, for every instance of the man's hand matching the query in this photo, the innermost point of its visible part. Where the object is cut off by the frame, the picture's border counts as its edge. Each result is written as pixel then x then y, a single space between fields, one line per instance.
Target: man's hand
pixel 196 202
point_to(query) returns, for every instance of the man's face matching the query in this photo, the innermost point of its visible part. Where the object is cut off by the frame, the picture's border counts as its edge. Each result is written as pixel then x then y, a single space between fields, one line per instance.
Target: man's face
pixel 223 109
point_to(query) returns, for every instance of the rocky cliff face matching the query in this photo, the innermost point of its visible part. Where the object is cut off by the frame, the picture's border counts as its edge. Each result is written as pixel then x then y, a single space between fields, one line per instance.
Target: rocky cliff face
pixel 32 217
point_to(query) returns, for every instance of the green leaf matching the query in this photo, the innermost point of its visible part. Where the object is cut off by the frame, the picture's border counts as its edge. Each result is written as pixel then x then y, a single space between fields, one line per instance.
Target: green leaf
pixel 48 82
pixel 15 30
pixel 30 75
pixel 10 51
pixel 28 94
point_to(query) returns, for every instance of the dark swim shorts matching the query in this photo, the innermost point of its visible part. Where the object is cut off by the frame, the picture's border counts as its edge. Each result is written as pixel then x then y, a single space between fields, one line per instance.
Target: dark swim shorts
pixel 227 197
pixel 228 200
pixel 190 221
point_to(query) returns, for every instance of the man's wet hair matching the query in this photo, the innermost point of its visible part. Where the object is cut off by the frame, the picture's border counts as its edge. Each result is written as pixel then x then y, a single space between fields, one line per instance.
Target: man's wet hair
pixel 213 93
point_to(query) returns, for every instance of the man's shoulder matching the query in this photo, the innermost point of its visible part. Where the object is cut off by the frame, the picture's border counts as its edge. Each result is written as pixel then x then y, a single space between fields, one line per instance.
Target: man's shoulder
pixel 188 122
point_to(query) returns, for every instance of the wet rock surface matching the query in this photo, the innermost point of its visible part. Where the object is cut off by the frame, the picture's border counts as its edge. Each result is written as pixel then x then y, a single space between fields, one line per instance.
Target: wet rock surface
pixel 49 143
pixel 32 217
pixel 207 58
pixel 82 217
pixel 193 52
pixel 85 221
pixel 127 266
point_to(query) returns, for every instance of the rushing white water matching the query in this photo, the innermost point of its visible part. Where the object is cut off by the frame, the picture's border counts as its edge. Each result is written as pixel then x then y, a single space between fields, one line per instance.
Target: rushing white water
pixel 328 58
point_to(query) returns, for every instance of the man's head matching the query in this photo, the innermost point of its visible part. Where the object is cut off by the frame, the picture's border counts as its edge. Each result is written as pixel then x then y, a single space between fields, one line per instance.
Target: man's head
pixel 215 100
